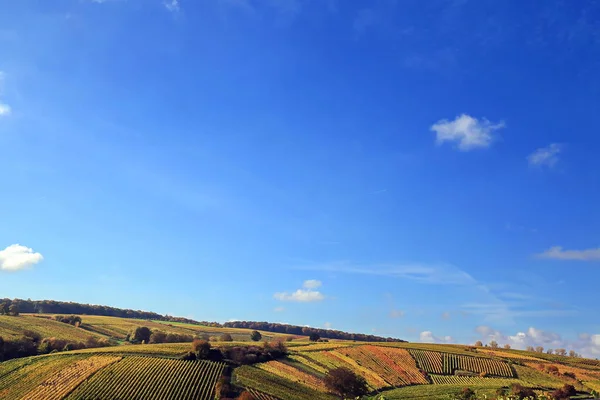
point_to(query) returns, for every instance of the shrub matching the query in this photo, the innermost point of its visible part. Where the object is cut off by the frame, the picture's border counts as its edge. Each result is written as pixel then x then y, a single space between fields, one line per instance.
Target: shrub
pixel 521 392
pixel 140 334
pixel 314 337
pixel 344 383
pixel 201 348
pixel 255 336
pixel 226 337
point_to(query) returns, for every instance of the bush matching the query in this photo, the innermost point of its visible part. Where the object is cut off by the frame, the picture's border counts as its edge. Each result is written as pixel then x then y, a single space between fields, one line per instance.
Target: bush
pixel 344 383
pixel 255 336
pixel 521 392
pixel 74 320
pixel 226 337
pixel 564 393
pixel 140 334
pixel 201 348
pixel 466 394
pixel 314 337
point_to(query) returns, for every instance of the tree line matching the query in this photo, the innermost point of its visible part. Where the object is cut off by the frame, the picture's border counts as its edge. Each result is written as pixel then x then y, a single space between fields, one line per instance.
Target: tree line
pixel 307 331
pixel 61 307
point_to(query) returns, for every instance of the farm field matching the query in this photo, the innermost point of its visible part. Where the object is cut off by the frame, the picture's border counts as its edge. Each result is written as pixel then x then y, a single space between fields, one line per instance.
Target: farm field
pixel 155 371
pixel 152 378
pixel 14 327
pixel 432 392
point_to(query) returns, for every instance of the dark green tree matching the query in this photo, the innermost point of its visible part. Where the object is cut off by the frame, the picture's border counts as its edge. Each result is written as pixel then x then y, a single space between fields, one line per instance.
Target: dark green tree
pixel 13 309
pixel 201 348
pixel 141 334
pixel 314 337
pixel 255 336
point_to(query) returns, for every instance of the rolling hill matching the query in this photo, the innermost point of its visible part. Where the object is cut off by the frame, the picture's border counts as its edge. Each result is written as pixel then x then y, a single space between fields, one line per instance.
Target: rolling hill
pixel 158 371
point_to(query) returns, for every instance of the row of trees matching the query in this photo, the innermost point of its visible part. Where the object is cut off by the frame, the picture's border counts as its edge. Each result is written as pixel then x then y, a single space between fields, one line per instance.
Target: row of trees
pixel 60 307
pixel 307 331
pixel 32 344
pixel 538 349
pixel 239 355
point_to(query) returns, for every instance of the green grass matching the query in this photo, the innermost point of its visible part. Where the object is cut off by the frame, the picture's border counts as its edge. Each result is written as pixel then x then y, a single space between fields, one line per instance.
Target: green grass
pixel 537 378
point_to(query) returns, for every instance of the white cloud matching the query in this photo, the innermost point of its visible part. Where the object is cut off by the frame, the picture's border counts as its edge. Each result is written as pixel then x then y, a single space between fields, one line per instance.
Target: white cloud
pixel 279 309
pixel 428 337
pixel 172 5
pixel 300 295
pixel 587 345
pixel 446 316
pixel 312 284
pixel 557 253
pixel 16 257
pixel 396 313
pixel 327 325
pixel 5 110
pixel 470 133
pixel 545 156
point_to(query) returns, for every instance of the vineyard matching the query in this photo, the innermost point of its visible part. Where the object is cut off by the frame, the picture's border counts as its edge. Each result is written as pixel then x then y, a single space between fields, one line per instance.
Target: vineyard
pixel 395 366
pixel 27 376
pixel 429 361
pixel 12 328
pixel 62 382
pixel 453 363
pixel 293 374
pixel 468 381
pixel 152 378
pixel 262 381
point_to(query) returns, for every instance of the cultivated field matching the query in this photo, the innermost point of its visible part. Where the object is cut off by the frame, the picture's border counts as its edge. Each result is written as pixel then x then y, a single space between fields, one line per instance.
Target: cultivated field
pixel 155 371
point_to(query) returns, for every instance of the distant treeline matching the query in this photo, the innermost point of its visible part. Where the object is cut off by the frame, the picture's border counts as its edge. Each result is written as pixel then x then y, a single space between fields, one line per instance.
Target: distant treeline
pixel 61 307
pixel 307 331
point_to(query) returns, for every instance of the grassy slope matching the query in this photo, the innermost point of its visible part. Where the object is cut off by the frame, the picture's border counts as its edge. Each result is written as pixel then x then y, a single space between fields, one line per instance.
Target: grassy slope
pixel 13 327
pixel 109 327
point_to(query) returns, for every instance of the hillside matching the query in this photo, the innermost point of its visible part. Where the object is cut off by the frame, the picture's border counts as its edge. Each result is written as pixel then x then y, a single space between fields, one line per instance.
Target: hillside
pixel 157 371
pixel 51 307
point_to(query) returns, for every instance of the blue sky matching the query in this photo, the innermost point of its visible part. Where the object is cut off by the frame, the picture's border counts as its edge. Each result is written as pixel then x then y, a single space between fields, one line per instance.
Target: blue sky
pixel 421 169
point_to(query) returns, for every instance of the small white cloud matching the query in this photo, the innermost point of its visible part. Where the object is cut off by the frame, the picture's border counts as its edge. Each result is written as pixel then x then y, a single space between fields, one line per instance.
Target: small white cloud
pixel 279 309
pixel 470 133
pixel 396 314
pixel 557 253
pixel 172 5
pixel 545 156
pixel 300 295
pixel 16 257
pixel 428 337
pixel 446 316
pixel 327 325
pixel 5 110
pixel 312 284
